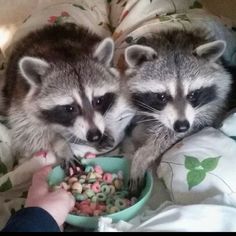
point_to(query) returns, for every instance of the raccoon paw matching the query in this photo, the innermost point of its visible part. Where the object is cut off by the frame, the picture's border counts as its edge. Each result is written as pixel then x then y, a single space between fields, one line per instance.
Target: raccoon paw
pixel 71 166
pixel 137 173
pixel 135 185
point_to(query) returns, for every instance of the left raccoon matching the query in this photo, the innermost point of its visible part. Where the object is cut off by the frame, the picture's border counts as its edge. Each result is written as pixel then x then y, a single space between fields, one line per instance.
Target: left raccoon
pixel 60 88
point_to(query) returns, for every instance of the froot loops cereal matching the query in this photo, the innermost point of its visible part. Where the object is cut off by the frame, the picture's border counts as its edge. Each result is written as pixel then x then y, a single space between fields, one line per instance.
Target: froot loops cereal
pixel 96 191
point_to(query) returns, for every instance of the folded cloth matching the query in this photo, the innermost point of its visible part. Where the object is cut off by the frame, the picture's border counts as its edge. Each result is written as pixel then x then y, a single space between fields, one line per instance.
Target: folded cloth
pixel 214 214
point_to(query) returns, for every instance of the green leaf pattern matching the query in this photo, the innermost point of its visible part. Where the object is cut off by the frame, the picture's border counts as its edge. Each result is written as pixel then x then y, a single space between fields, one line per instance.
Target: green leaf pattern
pixel 3 168
pixel 195 177
pixel 139 40
pixel 174 18
pixel 79 6
pixel 196 4
pixel 210 164
pixel 6 186
pixel 198 169
pixel 191 162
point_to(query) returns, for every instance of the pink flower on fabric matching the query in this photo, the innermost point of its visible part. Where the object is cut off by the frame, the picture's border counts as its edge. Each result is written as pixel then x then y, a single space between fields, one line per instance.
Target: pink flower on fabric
pixel 124 15
pixel 58 19
pixel 52 19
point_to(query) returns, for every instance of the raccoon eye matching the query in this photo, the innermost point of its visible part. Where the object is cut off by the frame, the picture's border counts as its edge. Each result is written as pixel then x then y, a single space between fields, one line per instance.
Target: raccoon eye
pixel 162 97
pixel 97 102
pixel 69 108
pixel 103 103
pixel 192 96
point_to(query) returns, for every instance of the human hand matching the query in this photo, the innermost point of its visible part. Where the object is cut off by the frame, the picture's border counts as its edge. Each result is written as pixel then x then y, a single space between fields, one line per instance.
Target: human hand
pixel 57 203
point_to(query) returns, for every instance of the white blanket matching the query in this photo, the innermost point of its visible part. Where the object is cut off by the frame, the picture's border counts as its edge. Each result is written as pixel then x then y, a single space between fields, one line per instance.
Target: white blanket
pixel 125 21
pixel 199 173
pixel 214 214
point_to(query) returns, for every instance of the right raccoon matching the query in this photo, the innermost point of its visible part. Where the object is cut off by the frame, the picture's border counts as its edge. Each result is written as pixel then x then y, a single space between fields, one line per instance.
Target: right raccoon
pixel 178 85
pixel 232 96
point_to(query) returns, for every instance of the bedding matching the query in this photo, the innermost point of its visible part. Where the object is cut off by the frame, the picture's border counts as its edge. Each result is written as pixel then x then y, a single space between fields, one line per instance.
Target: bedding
pixel 214 214
pixel 126 22
pixel 199 175
pixel 199 167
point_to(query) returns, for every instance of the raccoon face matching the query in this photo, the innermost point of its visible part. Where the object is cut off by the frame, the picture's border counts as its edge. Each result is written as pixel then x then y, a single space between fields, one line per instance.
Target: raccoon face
pixel 179 90
pixel 75 99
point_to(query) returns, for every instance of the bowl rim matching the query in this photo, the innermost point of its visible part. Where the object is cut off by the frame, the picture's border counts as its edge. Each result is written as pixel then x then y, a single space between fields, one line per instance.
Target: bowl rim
pixel 147 190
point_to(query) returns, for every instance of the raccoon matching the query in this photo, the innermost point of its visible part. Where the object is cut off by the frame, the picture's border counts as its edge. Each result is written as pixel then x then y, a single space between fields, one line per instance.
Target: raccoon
pixel 178 86
pixel 61 88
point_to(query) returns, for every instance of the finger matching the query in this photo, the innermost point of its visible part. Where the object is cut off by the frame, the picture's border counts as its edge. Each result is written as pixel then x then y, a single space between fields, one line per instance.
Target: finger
pixel 72 201
pixel 42 174
pixel 63 194
pixel 40 182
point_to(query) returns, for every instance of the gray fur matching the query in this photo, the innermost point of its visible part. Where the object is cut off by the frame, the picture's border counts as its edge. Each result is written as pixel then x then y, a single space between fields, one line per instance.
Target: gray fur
pixel 32 69
pixel 211 51
pixel 104 52
pixel 183 61
pixel 43 76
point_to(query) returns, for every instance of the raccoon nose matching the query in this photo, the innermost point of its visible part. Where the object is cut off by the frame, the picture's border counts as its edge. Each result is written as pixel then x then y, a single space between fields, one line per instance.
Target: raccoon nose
pixel 93 135
pixel 181 125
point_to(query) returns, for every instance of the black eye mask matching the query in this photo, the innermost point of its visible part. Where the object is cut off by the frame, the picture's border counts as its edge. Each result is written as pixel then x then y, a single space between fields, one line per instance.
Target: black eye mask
pixel 103 103
pixel 202 96
pixel 62 114
pixel 149 101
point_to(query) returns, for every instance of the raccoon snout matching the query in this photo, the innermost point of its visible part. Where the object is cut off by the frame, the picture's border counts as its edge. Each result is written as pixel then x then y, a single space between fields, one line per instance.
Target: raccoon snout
pixel 94 135
pixel 181 126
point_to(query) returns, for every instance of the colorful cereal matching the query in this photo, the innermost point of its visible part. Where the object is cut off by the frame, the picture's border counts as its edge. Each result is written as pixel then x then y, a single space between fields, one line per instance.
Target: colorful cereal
pixel 97 192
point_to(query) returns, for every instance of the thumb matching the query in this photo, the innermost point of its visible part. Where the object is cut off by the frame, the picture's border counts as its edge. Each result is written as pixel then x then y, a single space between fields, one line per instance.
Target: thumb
pixel 67 197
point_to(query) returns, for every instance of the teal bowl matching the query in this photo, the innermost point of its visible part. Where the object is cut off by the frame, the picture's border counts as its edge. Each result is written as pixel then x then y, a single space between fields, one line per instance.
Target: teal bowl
pixel 109 164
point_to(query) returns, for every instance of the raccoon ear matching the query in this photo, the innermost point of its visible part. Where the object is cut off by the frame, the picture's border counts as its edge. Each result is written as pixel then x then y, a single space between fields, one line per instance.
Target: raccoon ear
pixel 136 54
pixel 104 51
pixel 33 69
pixel 211 51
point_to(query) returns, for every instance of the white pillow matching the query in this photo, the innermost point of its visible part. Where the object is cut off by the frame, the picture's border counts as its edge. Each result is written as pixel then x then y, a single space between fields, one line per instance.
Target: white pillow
pixel 200 166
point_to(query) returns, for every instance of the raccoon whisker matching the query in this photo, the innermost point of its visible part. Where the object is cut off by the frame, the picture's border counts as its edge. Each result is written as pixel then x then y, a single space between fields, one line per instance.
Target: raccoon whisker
pixel 67 135
pixel 144 113
pixel 147 106
pixel 66 132
pixel 77 140
pixel 123 117
pixel 104 115
pixel 107 109
pixel 143 121
pixel 70 138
